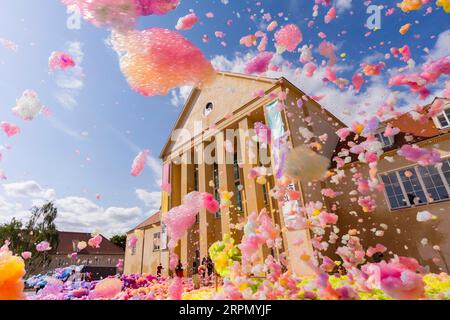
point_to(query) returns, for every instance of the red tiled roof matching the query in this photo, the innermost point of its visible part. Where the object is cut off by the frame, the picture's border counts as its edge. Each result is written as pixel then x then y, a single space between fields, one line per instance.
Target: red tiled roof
pixel 153 219
pixel 67 241
pixel 418 130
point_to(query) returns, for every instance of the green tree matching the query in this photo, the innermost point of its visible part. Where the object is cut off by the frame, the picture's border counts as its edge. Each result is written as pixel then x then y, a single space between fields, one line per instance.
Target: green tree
pixel 119 240
pixel 24 237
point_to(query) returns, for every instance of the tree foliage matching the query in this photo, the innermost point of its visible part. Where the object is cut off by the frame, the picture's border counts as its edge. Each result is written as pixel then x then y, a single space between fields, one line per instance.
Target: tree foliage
pixel 119 240
pixel 25 236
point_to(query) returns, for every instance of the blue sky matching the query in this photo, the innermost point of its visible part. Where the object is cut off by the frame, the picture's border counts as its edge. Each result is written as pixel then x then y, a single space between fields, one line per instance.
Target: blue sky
pixel 87 144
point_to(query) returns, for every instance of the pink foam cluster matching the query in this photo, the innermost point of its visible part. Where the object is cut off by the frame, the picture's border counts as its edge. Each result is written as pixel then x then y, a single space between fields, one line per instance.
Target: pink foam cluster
pixel 259 63
pixel 119 13
pixel 187 22
pixel 60 60
pixel 155 60
pixel 95 241
pixel 289 37
pixel 422 156
pixel 417 82
pixel 399 278
pixel 326 49
pixel 139 163
pixel 179 219
pixel 9 129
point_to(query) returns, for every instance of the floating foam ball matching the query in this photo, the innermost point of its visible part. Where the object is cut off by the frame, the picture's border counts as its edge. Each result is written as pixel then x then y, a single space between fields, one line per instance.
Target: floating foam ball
pixel 139 163
pixel 28 105
pixel 81 245
pixel 108 288
pixel 119 13
pixel 9 129
pixel 288 37
pixel 304 164
pixel 155 60
pixel 260 63
pixel 445 4
pixel 60 60
pixel 187 22
pixel 43 246
pixel 12 269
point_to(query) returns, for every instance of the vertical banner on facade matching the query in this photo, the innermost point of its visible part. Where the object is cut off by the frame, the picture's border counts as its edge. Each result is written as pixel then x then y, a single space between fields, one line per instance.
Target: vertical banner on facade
pixel 279 150
pixel 278 137
pixel 166 178
pixel 166 190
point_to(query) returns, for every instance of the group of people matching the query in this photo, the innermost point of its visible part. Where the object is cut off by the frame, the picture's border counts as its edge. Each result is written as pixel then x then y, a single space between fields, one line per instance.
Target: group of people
pixel 203 269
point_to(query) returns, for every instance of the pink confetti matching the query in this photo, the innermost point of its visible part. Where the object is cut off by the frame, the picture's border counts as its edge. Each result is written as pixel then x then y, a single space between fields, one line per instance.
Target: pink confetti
pixel 422 156
pixel 331 15
pixel 60 60
pixel 358 81
pixel 187 22
pixel 326 49
pixel 309 69
pixel 43 246
pixel 260 63
pixel 10 129
pixel 139 163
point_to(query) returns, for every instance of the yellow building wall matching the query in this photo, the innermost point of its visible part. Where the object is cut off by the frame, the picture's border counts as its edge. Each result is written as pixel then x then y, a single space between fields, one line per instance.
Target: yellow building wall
pixel 404 233
pixel 152 258
pixel 133 259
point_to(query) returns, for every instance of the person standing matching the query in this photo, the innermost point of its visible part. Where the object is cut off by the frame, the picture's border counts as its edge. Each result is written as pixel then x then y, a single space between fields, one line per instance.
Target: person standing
pixel 195 277
pixel 179 270
pixel 210 266
pixel 159 270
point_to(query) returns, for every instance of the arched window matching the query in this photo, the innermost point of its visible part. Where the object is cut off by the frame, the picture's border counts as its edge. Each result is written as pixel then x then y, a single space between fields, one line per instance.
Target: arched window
pixel 208 109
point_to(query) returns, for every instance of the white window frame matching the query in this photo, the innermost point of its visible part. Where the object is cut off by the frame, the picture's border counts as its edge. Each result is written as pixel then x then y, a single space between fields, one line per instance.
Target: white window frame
pixel 422 184
pixel 156 235
pixel 391 139
pixel 436 120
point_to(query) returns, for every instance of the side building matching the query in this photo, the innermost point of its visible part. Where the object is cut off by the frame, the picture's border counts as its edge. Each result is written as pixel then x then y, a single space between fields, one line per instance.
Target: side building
pixel 145 256
pixel 101 262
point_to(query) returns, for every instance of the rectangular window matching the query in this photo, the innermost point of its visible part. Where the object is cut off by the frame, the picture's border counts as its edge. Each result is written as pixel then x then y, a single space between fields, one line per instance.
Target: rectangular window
pixel 394 191
pixel 216 187
pixel 196 177
pixel 446 170
pixel 433 183
pixel 443 119
pixel 156 241
pixel 237 183
pixel 413 188
pixel 417 185
pixel 385 141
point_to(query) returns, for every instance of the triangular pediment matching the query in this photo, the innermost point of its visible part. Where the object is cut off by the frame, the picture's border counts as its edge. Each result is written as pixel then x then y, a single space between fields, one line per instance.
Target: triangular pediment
pixel 205 107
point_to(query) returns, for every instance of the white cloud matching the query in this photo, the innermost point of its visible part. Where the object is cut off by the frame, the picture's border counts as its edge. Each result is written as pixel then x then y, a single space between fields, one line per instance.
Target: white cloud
pixel 180 95
pixel 342 5
pixel 442 46
pixel 81 214
pixel 9 210
pixel 151 199
pixel 28 189
pixel 74 213
pixel 222 63
pixel 71 81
